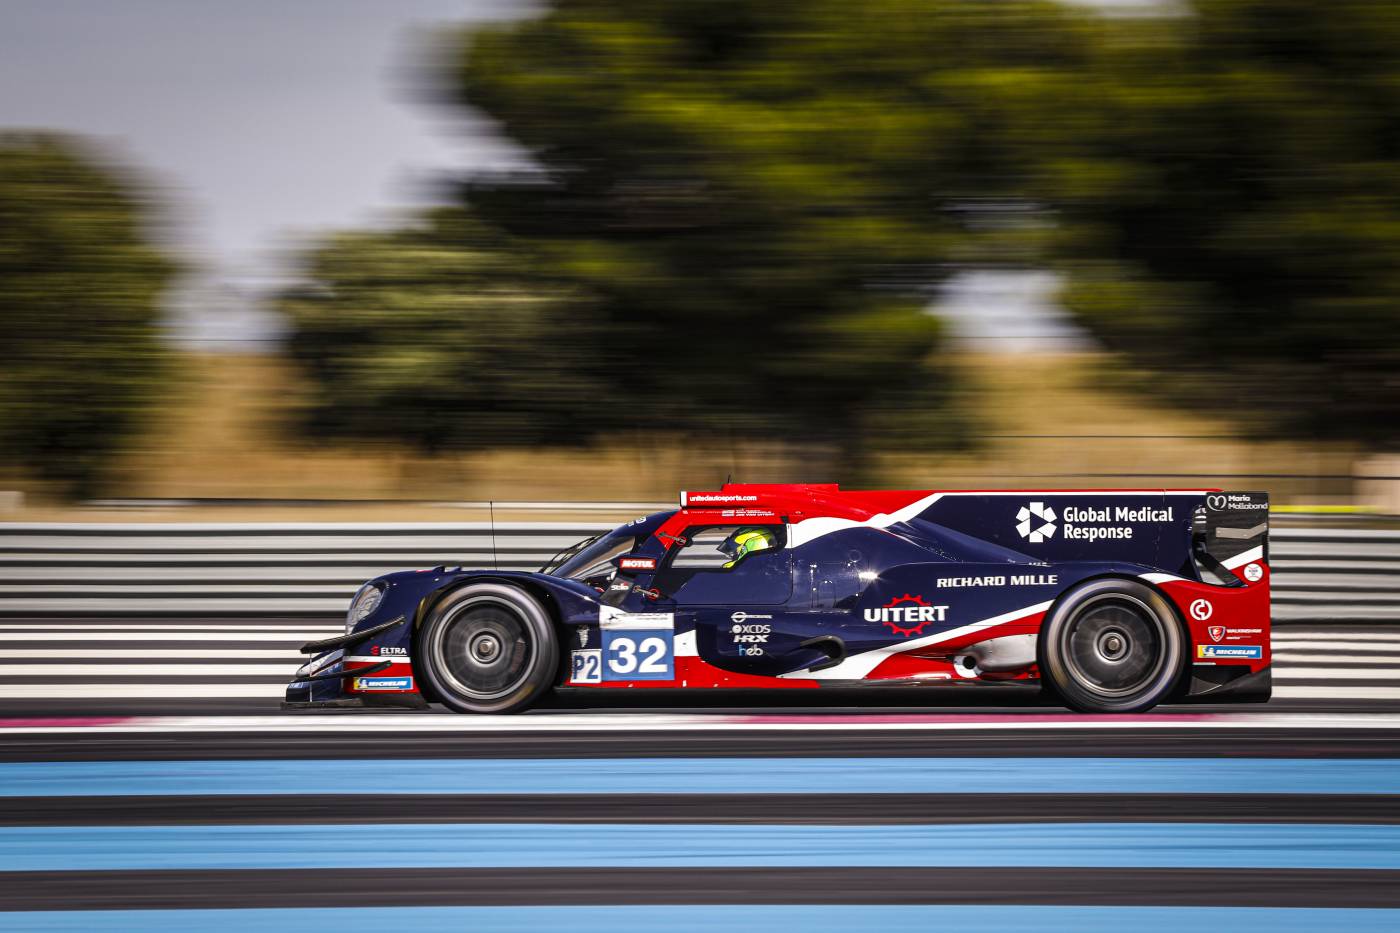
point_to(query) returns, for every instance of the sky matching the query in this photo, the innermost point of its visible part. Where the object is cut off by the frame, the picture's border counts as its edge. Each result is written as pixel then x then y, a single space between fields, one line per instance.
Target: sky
pixel 262 122
pixel 259 121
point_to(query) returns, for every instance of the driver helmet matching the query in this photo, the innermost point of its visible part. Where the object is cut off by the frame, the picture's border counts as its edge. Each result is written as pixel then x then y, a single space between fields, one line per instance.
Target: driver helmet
pixel 745 541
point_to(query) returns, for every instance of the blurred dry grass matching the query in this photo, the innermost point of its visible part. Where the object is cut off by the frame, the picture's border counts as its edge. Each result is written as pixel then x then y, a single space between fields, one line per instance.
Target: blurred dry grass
pixel 1044 420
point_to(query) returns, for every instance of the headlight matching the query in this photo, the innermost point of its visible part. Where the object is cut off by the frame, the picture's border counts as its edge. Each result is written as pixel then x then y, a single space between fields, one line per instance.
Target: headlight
pixel 365 602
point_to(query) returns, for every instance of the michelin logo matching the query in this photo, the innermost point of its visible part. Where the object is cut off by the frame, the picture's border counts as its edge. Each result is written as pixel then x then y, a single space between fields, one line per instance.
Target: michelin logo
pixel 1251 652
pixel 383 683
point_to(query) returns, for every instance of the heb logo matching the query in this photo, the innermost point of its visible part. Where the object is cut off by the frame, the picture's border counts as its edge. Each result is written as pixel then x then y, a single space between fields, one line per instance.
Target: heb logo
pixel 907 615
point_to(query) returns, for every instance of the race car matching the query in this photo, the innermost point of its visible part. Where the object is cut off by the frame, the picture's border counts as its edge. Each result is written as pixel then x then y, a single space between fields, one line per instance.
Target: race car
pixel 1112 601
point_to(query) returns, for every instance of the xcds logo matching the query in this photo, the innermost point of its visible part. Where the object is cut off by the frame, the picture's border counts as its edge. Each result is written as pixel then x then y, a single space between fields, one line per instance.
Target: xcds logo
pixel 1036 522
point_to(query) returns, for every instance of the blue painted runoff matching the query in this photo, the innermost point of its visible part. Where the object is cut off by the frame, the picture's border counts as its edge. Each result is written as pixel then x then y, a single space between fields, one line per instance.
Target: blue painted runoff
pixel 718 918
pixel 706 776
pixel 699 845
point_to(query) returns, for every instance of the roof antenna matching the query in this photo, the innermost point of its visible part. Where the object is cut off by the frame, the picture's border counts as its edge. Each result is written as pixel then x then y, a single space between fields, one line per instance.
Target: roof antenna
pixel 728 477
pixel 495 558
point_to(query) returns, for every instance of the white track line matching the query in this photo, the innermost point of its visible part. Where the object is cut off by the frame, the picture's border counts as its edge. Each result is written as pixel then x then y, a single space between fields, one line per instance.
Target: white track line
pixel 1337 673
pixel 138 691
pixel 157 627
pixel 1336 643
pixel 1294 692
pixel 1309 658
pixel 145 670
pixel 162 636
pixel 140 654
pixel 636 722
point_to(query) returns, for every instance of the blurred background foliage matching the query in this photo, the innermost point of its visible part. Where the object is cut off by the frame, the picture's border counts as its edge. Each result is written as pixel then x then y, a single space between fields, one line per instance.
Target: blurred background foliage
pixel 1229 217
pixel 739 211
pixel 442 335
pixel 81 289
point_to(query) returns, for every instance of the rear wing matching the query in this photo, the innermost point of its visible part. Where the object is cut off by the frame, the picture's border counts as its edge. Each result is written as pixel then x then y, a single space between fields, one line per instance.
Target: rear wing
pixel 1230 530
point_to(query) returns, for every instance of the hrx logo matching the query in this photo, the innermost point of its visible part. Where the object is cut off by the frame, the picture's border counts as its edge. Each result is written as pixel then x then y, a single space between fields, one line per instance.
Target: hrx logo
pixel 1036 522
pixel 906 615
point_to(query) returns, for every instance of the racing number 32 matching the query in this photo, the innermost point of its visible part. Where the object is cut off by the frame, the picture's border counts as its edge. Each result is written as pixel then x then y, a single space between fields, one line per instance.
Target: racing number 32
pixel 639 655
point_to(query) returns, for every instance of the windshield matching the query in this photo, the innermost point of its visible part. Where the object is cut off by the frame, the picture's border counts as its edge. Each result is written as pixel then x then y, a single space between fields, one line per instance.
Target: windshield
pixel 567 554
pixel 590 557
pixel 593 559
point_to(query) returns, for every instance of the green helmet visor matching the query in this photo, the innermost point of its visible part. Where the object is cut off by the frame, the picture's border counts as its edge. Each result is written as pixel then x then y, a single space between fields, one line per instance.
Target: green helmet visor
pixel 746 541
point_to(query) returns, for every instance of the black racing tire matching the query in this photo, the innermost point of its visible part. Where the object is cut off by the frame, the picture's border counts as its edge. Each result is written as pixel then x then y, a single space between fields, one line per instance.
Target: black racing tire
pixel 1112 646
pixel 487 648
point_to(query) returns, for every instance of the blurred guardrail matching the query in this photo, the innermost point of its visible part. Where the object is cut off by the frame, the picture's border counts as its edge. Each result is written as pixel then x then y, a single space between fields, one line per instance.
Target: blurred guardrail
pixel 302 568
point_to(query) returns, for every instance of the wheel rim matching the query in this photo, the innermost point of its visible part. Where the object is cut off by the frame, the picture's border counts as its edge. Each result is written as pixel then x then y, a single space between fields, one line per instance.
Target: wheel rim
pixel 483 650
pixel 1115 646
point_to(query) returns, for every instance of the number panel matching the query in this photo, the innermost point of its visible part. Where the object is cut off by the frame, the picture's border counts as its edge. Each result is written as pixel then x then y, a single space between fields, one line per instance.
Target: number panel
pixel 639 654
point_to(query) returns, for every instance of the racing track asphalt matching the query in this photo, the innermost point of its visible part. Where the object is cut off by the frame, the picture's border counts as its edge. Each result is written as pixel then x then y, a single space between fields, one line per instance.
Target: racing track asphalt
pixel 1213 879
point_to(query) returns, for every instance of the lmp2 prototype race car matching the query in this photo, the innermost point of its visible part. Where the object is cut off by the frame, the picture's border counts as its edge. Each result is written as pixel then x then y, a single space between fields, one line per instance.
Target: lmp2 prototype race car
pixel 1111 601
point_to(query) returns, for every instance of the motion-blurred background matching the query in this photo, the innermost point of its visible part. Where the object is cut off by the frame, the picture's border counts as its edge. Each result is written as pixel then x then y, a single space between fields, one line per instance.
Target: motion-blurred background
pixel 365 258
pixel 297 292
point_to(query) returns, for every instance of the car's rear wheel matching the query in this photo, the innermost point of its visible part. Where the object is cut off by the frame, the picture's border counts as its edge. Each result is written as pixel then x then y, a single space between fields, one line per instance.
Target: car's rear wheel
pixel 1112 646
pixel 488 648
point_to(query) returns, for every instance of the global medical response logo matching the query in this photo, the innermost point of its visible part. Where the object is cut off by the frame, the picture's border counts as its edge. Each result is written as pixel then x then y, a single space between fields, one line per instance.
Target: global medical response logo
pixel 906 615
pixel 1036 522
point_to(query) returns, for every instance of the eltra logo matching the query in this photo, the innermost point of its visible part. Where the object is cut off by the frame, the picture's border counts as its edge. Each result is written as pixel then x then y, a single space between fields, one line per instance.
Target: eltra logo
pixel 1036 522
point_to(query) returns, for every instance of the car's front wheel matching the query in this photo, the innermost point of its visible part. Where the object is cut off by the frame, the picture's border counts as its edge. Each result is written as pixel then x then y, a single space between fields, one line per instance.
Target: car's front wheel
pixel 1112 646
pixel 488 648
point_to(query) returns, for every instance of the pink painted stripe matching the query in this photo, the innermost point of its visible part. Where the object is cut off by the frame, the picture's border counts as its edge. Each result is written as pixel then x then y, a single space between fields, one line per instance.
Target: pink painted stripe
pixel 859 719
pixel 49 723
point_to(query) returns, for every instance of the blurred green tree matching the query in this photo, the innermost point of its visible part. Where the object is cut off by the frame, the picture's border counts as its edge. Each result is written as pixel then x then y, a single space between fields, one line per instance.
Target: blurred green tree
pixel 441 334
pixel 760 195
pixel 81 285
pixel 1227 192
pixel 737 215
